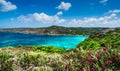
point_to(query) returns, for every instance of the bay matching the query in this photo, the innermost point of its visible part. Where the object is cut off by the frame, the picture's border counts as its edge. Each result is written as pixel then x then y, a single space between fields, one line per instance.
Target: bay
pixel 60 41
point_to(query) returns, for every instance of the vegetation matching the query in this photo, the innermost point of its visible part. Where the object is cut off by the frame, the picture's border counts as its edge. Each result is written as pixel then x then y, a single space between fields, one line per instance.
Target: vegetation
pixel 57 30
pixel 48 49
pixel 110 39
pixel 100 52
pixel 103 59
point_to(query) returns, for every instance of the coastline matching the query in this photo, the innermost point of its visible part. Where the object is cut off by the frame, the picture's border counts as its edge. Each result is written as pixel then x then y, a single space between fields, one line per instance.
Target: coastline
pixel 45 34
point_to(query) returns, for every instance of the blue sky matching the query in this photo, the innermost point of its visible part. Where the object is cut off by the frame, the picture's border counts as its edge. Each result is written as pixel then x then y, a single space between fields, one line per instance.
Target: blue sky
pixel 69 13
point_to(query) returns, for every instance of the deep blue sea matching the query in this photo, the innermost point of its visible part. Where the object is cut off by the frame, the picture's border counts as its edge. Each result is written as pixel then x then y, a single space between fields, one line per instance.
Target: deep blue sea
pixel 14 39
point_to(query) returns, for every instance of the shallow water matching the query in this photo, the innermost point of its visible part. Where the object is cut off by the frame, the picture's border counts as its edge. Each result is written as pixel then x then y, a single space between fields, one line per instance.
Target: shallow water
pixel 14 39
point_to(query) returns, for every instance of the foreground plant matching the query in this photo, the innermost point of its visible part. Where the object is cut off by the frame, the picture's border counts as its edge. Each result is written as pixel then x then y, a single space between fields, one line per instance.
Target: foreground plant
pixel 29 59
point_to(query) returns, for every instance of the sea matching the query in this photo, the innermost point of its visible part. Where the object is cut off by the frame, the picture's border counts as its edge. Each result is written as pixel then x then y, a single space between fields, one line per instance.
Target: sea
pixel 59 41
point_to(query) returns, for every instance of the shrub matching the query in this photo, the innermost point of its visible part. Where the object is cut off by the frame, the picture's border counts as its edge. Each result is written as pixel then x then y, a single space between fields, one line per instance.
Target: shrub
pixel 49 49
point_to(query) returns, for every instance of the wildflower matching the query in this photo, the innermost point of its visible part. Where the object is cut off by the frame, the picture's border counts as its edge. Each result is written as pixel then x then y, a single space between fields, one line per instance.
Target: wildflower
pixel 67 66
pixel 105 69
pixel 110 61
pixel 116 55
pixel 64 70
pixel 90 61
pixel 98 57
pixel 92 69
pixel 105 49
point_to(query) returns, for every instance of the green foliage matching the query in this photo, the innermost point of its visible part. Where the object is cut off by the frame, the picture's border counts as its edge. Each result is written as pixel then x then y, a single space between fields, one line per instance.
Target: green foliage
pixel 49 49
pixel 110 39
pixel 89 44
pixel 5 63
pixel 26 60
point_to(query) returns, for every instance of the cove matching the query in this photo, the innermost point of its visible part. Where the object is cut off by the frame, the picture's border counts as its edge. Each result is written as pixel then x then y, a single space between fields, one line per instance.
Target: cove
pixel 61 41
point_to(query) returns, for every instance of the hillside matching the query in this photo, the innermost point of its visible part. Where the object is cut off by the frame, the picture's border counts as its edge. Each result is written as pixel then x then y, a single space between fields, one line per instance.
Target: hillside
pixel 110 39
pixel 57 30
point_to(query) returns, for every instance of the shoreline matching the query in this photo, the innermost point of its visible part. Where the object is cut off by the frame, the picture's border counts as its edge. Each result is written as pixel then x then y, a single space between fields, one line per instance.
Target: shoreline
pixel 45 34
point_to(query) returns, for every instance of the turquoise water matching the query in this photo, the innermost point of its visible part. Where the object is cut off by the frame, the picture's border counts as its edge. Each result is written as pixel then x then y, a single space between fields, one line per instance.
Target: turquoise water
pixel 14 39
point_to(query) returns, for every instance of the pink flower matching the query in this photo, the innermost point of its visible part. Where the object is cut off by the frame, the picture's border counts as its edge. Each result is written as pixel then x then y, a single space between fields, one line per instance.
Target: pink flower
pixel 67 66
pixel 105 49
pixel 110 61
pixel 92 69
pixel 90 61
pixel 98 57
pixel 105 69
pixel 64 70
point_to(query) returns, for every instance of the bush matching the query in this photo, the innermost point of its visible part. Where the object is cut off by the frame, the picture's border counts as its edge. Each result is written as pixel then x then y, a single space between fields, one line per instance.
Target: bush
pixel 89 45
pixel 49 49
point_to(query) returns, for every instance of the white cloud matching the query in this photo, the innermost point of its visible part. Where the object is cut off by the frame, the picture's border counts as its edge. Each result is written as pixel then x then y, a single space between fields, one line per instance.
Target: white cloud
pixel 64 6
pixel 103 1
pixel 111 20
pixel 59 13
pixel 41 18
pixel 106 21
pixel 114 11
pixel 6 6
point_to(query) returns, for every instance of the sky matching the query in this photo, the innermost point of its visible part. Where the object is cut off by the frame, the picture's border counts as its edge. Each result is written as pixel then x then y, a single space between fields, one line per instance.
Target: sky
pixel 68 13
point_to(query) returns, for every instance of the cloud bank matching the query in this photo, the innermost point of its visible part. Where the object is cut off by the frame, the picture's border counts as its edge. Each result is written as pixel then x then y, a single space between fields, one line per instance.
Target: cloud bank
pixel 6 6
pixel 42 18
pixel 106 21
